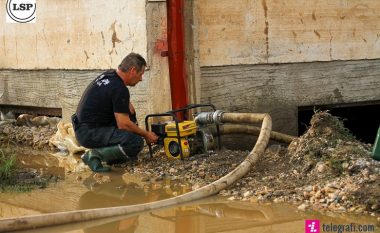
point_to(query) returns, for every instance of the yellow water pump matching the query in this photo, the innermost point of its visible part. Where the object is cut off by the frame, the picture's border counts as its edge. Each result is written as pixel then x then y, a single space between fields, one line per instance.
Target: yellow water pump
pixel 182 139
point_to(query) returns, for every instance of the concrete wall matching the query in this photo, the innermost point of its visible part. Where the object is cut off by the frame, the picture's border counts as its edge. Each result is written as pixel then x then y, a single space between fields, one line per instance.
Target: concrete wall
pixel 287 31
pixel 74 34
pixel 157 44
pixel 280 88
pixel 275 55
pixel 231 48
pixel 50 63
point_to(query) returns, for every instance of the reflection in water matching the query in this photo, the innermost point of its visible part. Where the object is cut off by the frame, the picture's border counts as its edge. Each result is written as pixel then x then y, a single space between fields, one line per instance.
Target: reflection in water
pixel 93 200
pixel 203 216
pixel 223 210
pixel 222 216
pixel 118 192
pixel 43 162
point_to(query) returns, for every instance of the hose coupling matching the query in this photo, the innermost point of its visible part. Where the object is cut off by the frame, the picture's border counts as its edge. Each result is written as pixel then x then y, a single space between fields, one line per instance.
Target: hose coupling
pixel 217 116
pixel 204 118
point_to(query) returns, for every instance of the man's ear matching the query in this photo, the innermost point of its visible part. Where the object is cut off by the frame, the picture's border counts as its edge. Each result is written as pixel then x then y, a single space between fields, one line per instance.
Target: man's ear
pixel 133 69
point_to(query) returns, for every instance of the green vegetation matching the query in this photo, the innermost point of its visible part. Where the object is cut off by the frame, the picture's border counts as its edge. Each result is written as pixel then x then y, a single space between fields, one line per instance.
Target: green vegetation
pixel 336 166
pixel 13 179
pixel 7 165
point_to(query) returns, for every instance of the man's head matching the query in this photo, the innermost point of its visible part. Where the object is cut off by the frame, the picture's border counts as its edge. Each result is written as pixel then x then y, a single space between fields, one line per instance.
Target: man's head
pixel 132 68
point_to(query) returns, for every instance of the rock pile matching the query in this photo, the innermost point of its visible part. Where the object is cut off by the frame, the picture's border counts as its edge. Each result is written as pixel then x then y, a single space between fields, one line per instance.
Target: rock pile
pixel 326 169
pixel 35 136
pixel 39 132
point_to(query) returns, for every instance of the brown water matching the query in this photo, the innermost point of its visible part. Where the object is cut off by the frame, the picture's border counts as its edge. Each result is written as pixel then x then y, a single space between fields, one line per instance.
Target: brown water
pixel 82 191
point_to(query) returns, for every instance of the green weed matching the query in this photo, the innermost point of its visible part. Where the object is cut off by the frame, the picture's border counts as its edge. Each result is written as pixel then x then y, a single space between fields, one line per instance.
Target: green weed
pixel 336 166
pixel 7 165
pixel 10 180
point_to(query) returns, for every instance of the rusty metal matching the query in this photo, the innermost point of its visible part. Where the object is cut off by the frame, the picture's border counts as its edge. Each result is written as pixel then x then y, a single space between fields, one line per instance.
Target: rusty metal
pixel 176 55
pixel 37 111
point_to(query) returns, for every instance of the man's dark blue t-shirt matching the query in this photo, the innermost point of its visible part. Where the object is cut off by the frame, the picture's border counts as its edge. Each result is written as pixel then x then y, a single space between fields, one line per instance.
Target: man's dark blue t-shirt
pixel 103 97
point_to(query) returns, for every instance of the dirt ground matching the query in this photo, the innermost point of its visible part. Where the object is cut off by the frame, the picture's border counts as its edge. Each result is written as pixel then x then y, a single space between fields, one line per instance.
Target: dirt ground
pixel 326 169
pixel 17 139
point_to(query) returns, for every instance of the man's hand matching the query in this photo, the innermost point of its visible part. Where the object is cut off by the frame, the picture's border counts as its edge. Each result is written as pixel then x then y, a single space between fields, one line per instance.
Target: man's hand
pixel 123 122
pixel 151 137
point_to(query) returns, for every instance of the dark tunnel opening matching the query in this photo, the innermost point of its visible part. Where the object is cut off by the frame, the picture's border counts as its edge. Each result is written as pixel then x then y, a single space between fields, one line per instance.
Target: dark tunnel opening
pixel 362 118
pixel 35 111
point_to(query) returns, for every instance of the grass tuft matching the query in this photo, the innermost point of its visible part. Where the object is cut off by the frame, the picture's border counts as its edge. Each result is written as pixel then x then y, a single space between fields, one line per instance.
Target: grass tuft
pixel 7 165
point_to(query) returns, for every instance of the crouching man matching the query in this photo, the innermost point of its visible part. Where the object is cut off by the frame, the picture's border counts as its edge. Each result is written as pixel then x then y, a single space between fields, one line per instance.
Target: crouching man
pixel 105 120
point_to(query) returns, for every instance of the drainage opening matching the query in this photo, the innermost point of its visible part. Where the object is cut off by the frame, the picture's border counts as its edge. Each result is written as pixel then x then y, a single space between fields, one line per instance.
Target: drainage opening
pixel 35 111
pixel 362 118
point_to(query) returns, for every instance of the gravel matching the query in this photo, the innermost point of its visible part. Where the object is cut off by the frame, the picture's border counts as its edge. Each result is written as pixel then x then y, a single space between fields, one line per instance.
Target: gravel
pixel 326 169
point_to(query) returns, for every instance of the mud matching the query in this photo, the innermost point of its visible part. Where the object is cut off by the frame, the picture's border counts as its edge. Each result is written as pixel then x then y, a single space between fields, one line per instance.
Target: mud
pixel 326 169
pixel 216 214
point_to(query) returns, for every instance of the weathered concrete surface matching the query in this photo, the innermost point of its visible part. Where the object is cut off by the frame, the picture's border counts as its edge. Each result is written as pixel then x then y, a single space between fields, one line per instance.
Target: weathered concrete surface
pixel 45 88
pixel 159 91
pixel 56 49
pixel 78 39
pixel 287 31
pixel 74 34
pixel 192 51
pixel 157 48
pixel 280 89
pixel 59 89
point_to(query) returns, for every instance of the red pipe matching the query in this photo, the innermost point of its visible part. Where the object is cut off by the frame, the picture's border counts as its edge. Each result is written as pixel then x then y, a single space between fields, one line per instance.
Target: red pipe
pixel 176 53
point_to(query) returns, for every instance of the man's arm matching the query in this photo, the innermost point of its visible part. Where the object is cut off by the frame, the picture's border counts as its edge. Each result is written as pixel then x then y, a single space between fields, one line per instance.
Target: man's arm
pixel 124 122
pixel 132 108
pixel 132 116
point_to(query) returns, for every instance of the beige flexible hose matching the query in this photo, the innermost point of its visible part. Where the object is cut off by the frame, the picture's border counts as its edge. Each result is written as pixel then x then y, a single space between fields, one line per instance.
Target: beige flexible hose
pixel 43 220
pixel 253 130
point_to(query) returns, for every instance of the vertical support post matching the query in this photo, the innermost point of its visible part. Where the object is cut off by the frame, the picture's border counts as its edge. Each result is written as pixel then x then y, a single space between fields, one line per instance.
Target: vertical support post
pixel 176 53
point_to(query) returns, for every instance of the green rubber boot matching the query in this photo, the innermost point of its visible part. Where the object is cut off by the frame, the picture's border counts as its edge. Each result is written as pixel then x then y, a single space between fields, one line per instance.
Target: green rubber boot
pixel 92 159
pixel 111 155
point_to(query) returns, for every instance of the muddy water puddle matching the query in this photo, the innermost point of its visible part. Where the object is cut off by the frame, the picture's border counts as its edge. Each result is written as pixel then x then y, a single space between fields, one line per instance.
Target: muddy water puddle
pixel 84 191
pixel 209 215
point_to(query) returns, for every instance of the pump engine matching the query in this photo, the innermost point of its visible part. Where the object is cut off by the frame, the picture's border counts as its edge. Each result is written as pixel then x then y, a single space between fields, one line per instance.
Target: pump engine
pixel 183 138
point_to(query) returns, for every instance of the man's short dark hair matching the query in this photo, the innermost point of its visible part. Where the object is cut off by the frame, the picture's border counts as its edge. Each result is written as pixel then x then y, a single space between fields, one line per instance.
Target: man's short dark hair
pixel 132 60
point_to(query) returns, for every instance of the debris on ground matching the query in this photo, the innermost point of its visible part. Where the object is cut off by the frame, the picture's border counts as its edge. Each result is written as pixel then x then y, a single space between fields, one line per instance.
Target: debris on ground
pixel 17 133
pixel 27 130
pixel 39 132
pixel 26 179
pixel 326 169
